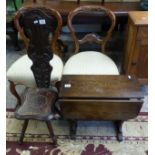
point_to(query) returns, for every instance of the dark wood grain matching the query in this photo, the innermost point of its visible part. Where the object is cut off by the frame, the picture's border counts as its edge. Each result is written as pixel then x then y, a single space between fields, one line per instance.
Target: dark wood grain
pixel 97 109
pixel 120 9
pixel 24 23
pixel 37 104
pixel 100 97
pixel 64 7
pixel 99 86
pixel 36 25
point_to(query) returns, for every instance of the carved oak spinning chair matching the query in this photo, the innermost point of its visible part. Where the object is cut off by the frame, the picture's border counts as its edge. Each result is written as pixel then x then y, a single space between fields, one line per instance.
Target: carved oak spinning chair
pixel 90 62
pixel 37 25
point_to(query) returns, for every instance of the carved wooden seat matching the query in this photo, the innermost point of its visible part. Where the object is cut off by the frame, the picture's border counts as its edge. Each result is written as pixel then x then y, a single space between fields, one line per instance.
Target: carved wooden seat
pixel 36 104
pixel 90 62
pixel 37 25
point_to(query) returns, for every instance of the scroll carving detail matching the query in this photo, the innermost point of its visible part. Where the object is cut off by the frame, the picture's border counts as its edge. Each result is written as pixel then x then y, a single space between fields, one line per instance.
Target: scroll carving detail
pixel 36 26
pixel 91 37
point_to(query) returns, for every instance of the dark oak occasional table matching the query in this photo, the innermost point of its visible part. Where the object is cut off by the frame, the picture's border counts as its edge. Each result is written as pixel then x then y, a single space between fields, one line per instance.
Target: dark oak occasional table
pixel 99 97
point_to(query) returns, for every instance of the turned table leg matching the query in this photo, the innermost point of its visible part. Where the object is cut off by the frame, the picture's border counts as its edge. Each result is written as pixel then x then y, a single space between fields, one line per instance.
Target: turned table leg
pixel 119 131
pixel 73 126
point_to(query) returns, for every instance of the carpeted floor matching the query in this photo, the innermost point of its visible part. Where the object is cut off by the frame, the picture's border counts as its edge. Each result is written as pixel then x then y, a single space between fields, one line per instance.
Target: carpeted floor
pixel 92 138
pixel 79 148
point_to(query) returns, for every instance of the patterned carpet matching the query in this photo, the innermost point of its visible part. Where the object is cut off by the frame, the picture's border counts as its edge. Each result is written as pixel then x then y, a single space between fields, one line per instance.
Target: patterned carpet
pixel 92 138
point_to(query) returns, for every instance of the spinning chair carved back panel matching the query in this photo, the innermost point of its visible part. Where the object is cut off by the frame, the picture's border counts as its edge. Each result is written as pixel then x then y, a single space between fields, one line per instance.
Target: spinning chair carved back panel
pixel 91 37
pixel 37 26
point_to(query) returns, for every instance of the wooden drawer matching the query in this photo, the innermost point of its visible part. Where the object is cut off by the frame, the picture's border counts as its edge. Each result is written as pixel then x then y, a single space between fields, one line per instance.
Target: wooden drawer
pixel 100 109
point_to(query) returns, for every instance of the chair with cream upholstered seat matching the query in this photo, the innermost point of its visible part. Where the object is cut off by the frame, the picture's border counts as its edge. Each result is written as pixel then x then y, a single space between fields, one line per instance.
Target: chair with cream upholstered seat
pixel 91 62
pixel 40 69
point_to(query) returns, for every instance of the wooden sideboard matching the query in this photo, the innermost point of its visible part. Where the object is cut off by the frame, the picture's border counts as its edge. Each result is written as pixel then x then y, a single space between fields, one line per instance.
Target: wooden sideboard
pixel 120 9
pixel 136 49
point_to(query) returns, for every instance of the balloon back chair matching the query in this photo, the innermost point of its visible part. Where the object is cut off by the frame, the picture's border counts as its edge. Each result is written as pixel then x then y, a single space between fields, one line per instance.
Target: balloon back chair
pixel 40 69
pixel 90 62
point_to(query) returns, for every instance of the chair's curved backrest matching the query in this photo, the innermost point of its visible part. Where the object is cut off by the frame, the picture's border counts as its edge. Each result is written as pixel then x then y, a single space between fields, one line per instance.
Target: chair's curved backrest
pixel 90 37
pixel 36 25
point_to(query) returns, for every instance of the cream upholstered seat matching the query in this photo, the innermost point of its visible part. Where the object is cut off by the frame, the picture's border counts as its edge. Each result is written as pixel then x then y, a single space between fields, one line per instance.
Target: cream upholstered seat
pixel 20 71
pixel 90 63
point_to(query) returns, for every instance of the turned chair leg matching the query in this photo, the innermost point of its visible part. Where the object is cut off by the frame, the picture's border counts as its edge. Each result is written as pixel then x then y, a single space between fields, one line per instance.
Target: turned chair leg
pixel 49 125
pixel 23 131
pixel 119 131
pixel 73 126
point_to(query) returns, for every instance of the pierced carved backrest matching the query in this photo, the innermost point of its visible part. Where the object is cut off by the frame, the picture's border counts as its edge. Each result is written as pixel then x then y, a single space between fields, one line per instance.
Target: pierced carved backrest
pixel 91 37
pixel 37 25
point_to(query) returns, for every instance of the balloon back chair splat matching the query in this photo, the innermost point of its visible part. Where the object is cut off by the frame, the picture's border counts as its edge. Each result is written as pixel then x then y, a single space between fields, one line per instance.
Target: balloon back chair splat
pixel 40 68
pixel 90 62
